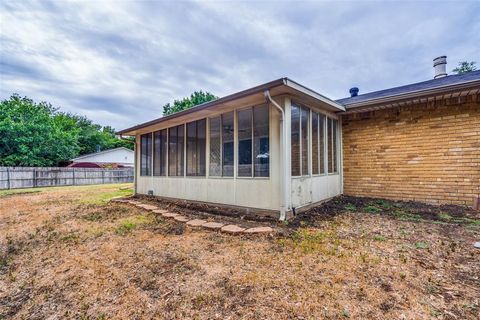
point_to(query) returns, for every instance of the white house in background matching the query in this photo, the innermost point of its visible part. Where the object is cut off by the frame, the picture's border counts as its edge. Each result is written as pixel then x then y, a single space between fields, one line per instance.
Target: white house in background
pixel 113 157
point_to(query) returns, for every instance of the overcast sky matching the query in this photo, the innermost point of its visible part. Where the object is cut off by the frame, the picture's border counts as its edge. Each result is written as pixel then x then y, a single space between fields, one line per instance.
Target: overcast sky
pixel 118 62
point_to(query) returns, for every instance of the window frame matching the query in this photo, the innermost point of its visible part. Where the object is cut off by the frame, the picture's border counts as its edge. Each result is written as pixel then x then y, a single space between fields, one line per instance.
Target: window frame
pixel 149 155
pixel 302 107
pixel 197 151
pixel 252 122
pixel 325 118
pixel 335 147
pixel 177 151
pixel 163 156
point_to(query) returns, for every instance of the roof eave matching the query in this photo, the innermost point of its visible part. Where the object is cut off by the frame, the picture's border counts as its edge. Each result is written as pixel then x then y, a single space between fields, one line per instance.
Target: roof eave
pixel 413 94
pixel 238 95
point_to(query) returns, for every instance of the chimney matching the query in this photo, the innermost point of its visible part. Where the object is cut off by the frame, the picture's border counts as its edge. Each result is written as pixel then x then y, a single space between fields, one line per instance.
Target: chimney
pixel 353 92
pixel 440 65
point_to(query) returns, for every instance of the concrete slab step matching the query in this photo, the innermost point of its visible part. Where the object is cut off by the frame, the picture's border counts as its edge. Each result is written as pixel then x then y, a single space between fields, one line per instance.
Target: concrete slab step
pixel 259 230
pixel 196 222
pixel 232 228
pixel 213 225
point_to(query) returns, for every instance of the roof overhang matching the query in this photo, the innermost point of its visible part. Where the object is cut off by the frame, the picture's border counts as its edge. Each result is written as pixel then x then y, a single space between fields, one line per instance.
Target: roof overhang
pixel 282 86
pixel 415 97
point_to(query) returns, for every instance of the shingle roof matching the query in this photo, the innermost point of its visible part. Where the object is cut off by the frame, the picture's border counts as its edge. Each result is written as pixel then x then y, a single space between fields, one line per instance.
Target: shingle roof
pixel 414 87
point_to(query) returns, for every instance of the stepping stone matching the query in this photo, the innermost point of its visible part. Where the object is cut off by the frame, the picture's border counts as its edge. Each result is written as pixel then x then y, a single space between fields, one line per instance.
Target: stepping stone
pixel 232 228
pixel 477 245
pixel 259 230
pixel 149 207
pixel 196 222
pixel 159 211
pixel 180 218
pixel 213 225
pixel 169 214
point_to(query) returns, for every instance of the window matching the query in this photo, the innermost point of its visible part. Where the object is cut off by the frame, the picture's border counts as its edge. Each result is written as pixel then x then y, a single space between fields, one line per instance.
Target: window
pixel 160 153
pixel 318 143
pixel 295 140
pixel 321 140
pixel 175 150
pixel 261 141
pixel 299 140
pixel 146 154
pixel 227 144
pixel 196 144
pixel 315 144
pixel 253 142
pixel 221 145
pixel 245 136
pixel 332 161
pixel 215 147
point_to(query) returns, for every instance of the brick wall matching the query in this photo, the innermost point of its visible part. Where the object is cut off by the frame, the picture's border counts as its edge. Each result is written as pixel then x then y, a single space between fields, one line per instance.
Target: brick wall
pixel 428 152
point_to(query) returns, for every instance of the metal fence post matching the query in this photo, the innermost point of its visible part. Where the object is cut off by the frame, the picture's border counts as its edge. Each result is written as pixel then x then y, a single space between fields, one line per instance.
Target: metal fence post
pixel 34 177
pixel 103 176
pixel 73 175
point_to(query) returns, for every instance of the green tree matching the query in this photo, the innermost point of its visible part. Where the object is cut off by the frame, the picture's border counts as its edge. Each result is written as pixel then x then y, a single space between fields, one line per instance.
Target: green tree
pixel 31 134
pixel 196 98
pixel 464 67
pixel 37 134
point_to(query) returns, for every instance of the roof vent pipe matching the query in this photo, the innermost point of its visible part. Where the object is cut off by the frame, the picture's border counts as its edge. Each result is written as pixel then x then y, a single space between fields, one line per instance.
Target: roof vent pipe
pixel 440 65
pixel 353 92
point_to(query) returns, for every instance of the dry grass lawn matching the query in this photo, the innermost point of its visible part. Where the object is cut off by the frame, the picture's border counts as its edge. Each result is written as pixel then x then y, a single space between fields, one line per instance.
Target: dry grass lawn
pixel 68 253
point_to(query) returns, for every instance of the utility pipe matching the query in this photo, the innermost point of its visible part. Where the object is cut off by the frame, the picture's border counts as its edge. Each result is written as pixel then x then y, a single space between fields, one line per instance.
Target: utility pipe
pixel 283 167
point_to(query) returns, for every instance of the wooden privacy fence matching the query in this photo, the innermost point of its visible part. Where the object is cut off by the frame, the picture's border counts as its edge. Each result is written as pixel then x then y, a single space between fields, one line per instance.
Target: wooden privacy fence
pixel 31 177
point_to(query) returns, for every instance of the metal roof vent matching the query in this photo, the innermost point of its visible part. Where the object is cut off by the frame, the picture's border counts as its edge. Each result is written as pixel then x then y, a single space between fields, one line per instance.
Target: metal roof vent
pixel 440 65
pixel 353 92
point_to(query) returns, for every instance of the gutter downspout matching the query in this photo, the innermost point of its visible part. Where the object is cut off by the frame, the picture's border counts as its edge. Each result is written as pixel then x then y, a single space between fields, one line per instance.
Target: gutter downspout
pixel 283 167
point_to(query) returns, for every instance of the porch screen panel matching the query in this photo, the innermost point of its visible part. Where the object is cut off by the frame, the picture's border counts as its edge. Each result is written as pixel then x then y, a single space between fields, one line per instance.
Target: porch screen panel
pixel 160 153
pixel 304 139
pixel 175 150
pixel 334 145
pixel 201 147
pixel 180 148
pixel 215 147
pixel 191 148
pixel 315 144
pixel 146 154
pixel 227 144
pixel 245 120
pixel 261 134
pixel 295 140
pixel 196 148
pixel 172 151
pixel 330 144
pixel 321 131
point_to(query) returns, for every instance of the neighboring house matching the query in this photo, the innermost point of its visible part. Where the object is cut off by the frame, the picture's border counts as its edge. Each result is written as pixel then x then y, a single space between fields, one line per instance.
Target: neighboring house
pixel 118 157
pixel 280 147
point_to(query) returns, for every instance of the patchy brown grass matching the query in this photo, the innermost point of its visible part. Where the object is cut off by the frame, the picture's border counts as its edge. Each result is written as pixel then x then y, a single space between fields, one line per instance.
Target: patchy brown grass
pixel 66 255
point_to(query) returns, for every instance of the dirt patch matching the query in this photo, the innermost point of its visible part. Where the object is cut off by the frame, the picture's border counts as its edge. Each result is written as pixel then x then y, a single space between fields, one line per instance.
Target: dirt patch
pixel 402 210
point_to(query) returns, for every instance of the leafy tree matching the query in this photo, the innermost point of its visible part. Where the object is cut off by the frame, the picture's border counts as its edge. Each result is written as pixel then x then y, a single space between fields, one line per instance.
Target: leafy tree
pixel 30 134
pixel 196 98
pixel 464 67
pixel 37 134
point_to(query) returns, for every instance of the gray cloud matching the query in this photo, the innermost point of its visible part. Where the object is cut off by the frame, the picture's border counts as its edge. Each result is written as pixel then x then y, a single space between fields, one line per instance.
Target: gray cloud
pixel 119 62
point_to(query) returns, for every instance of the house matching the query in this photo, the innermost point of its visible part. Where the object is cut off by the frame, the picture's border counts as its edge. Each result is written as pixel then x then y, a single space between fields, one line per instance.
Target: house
pixel 280 147
pixel 118 157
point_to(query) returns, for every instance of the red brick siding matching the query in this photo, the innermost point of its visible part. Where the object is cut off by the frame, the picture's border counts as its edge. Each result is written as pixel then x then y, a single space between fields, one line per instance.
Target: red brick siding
pixel 427 152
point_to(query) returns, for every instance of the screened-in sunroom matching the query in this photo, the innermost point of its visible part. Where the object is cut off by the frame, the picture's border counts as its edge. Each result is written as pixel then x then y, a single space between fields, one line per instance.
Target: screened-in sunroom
pixel 274 149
